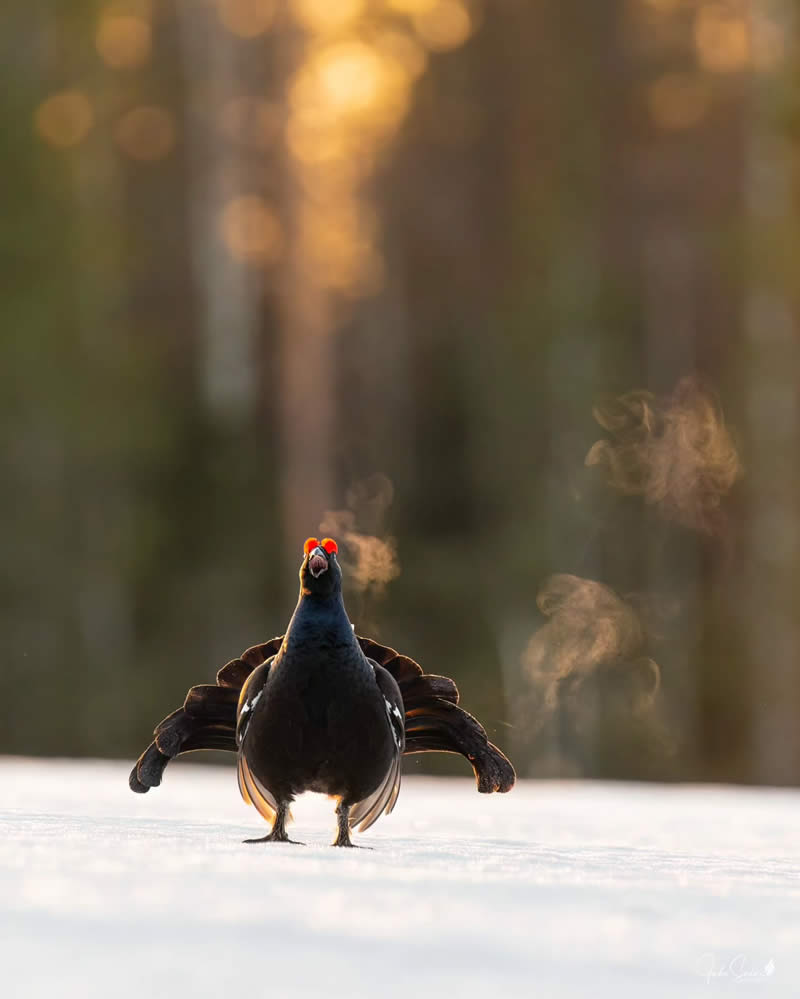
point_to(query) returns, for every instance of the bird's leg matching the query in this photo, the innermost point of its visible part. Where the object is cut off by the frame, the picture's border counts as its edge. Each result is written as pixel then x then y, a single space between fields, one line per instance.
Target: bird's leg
pixel 343 826
pixel 278 832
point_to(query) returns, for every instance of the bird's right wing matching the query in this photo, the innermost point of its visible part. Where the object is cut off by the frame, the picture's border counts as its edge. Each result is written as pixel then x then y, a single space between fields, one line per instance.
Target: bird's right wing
pixel 207 719
pixel 249 696
pixel 250 787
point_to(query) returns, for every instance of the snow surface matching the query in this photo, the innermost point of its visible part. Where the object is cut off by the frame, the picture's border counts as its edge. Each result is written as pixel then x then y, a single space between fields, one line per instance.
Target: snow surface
pixel 554 890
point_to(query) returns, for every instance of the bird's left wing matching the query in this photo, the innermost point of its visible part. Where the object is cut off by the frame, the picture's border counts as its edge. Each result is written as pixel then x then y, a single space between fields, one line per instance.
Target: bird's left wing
pixel 434 721
pixel 383 799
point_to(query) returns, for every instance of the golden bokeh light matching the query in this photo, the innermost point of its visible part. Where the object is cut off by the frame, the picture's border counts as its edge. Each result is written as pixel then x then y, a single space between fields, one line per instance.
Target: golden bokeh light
pixel 678 100
pixel 344 97
pixel 722 39
pixel 347 99
pixel 312 138
pixel 350 77
pixel 411 7
pixel 64 119
pixel 326 16
pixel 444 26
pixel 246 18
pixel 146 133
pixel 250 121
pixel 403 49
pixel 250 230
pixel 123 41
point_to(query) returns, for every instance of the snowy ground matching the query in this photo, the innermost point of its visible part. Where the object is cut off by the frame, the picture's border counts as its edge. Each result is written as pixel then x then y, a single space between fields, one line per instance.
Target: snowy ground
pixel 553 890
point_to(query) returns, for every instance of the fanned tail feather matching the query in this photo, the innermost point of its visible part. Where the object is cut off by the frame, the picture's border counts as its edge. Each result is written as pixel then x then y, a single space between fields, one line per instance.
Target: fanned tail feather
pixel 415 686
pixel 234 673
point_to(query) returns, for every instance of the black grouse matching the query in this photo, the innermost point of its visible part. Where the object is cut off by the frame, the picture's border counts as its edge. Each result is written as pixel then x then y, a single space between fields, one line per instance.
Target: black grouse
pixel 320 709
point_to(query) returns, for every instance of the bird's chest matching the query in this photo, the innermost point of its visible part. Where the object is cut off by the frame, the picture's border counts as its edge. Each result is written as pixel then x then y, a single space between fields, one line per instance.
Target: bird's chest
pixel 322 727
pixel 316 698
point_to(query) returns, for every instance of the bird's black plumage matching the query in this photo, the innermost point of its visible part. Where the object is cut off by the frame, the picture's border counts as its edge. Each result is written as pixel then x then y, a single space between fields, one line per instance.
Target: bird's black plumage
pixel 321 709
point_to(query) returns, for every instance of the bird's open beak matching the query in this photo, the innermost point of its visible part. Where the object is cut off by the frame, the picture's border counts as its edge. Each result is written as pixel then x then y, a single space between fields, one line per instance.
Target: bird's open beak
pixel 317 562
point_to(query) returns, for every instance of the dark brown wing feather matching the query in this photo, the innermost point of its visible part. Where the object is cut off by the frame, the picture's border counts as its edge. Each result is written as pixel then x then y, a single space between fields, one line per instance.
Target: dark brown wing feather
pixel 382 800
pixel 436 724
pixel 434 721
pixel 207 720
pixel 439 726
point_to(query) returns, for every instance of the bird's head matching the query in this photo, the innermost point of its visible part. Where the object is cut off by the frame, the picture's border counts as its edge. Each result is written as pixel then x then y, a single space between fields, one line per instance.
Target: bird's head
pixel 320 573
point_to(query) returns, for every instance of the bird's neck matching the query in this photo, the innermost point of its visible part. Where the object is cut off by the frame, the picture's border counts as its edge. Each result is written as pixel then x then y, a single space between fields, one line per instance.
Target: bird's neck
pixel 320 616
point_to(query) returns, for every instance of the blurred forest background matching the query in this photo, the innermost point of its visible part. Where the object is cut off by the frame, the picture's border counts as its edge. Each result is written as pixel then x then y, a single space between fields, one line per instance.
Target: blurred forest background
pixel 501 294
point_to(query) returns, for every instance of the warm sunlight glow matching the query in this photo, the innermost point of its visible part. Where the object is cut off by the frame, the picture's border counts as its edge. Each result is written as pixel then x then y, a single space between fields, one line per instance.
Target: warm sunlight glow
pixel 444 26
pixel 411 7
pixel 146 133
pixel 343 94
pixel 678 100
pixel 312 138
pixel 64 119
pixel 402 49
pixel 250 230
pixel 323 16
pixel 722 39
pixel 246 18
pixel 349 77
pixel 123 41
pixel 347 99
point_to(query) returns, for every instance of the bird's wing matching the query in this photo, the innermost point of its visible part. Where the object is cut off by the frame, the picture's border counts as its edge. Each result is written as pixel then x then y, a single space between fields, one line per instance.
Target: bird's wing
pixel 383 799
pixel 207 719
pixel 253 791
pixel 249 696
pixel 434 722
pixel 250 787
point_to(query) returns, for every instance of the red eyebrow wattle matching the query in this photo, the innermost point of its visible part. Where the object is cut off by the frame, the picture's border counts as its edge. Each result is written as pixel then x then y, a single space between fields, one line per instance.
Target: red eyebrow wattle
pixel 330 545
pixel 310 545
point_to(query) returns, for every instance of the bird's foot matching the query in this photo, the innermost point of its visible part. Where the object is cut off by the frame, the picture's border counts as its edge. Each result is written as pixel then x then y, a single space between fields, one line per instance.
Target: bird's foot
pixel 343 828
pixel 274 838
pixel 346 841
